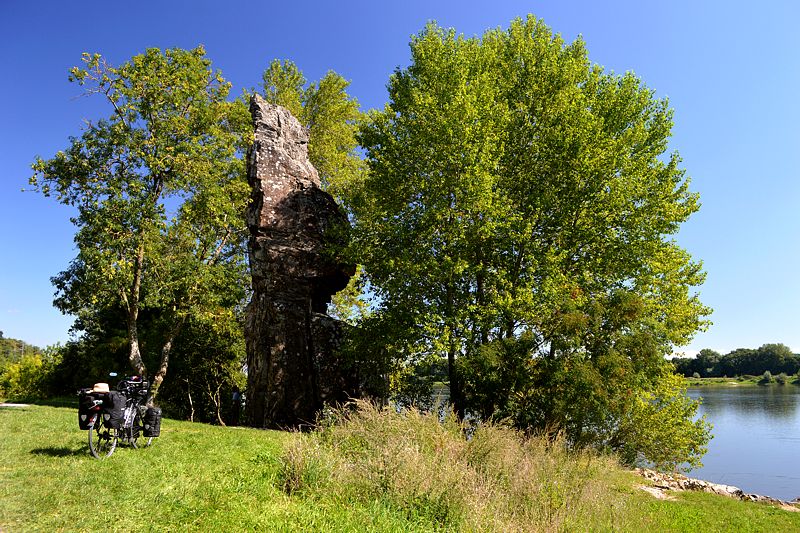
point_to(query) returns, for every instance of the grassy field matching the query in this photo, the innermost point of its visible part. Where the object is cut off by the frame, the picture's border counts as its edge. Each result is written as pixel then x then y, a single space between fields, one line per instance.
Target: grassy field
pixel 375 472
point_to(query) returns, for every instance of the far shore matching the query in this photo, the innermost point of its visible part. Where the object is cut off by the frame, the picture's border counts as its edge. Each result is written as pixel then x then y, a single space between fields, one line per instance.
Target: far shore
pixel 740 381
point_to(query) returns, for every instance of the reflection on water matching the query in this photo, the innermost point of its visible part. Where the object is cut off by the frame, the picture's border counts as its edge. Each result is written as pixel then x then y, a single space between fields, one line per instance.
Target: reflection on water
pixel 756 438
pixel 772 402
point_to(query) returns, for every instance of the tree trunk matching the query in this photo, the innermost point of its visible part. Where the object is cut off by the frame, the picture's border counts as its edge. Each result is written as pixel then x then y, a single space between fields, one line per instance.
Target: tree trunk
pixel 158 379
pixel 191 405
pixel 132 303
pixel 189 395
pixel 455 383
pixel 135 354
pixel 215 399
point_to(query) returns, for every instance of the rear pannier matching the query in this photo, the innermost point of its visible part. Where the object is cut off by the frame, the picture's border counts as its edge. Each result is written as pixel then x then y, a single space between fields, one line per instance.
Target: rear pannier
pixel 152 422
pixel 88 411
pixel 113 409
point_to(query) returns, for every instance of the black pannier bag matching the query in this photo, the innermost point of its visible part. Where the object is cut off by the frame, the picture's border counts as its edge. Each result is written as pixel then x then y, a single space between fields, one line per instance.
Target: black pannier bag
pixel 88 412
pixel 113 409
pixel 152 422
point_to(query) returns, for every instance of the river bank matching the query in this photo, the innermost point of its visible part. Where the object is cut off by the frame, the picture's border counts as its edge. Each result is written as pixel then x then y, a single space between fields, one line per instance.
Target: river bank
pixel 663 482
pixel 740 381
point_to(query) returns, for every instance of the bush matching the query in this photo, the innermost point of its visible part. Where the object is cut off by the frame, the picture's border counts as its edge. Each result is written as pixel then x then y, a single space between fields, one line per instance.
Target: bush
pixel 781 378
pixel 627 400
pixel 26 379
pixel 766 378
pixel 695 375
pixel 661 428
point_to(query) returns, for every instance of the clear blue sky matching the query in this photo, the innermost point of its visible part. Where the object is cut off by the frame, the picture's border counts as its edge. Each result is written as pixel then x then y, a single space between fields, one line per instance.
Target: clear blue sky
pixel 730 69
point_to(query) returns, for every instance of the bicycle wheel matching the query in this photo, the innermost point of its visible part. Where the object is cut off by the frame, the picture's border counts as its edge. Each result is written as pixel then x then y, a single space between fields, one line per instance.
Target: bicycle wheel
pixel 137 432
pixel 102 439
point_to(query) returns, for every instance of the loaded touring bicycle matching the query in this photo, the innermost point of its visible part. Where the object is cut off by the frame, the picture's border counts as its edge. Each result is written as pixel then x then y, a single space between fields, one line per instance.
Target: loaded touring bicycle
pixel 118 416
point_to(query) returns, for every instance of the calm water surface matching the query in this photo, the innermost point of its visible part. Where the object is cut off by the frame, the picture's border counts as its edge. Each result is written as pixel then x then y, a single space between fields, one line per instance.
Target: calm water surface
pixel 756 444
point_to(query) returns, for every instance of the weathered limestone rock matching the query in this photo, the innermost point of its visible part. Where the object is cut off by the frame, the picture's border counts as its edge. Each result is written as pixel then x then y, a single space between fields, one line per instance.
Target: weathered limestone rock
pixel 293 223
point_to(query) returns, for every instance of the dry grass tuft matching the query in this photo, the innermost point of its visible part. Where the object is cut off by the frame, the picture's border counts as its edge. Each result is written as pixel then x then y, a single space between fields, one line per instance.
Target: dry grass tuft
pixel 495 480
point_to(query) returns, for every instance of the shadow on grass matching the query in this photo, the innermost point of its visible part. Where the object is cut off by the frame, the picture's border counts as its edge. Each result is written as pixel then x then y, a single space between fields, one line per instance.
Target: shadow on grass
pixel 59 451
pixel 58 401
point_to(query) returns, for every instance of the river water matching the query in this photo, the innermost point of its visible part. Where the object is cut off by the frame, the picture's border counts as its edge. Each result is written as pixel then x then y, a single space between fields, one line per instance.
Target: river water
pixel 756 444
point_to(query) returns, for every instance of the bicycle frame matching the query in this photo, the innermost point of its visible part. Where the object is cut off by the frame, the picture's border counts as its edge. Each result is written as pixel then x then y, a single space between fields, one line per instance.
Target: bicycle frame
pixel 102 438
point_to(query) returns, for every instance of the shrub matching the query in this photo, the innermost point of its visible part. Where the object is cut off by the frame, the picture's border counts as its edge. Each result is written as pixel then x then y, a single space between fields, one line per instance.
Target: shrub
pixel 766 378
pixel 28 378
pixel 695 375
pixel 781 378
pixel 661 427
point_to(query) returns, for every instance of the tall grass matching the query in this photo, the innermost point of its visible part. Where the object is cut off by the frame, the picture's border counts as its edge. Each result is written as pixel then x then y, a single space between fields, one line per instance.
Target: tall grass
pixel 430 471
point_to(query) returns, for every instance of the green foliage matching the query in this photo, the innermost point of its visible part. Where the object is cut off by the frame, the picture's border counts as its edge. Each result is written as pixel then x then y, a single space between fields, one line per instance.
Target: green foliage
pixel 350 305
pixel 160 193
pixel 284 85
pixel 766 378
pixel 208 361
pixel 662 428
pixel 23 378
pixel 415 385
pixel 642 415
pixel 30 377
pixel 775 358
pixel 12 350
pixel 329 113
pixel 519 194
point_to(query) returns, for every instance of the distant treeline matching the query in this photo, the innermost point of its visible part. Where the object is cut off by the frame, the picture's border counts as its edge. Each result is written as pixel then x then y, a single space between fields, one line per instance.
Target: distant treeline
pixel 773 358
pixel 12 350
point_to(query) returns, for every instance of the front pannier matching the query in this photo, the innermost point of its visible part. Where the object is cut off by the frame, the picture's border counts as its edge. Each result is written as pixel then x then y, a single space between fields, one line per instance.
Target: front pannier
pixel 113 409
pixel 88 412
pixel 152 422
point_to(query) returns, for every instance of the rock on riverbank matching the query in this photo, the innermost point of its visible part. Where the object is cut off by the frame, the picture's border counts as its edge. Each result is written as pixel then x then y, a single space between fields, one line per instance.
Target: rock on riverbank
pixel 677 482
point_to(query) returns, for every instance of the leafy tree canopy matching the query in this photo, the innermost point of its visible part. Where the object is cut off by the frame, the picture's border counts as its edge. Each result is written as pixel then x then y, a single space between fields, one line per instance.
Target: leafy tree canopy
pixel 160 193
pixel 331 116
pixel 519 194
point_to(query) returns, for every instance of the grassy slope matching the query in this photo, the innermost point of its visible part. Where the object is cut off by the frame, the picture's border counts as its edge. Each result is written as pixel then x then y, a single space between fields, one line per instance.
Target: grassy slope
pixel 201 478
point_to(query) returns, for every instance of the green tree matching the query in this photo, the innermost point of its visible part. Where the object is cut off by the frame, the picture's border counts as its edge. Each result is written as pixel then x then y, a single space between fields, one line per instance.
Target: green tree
pixel 518 193
pixel 160 194
pixel 662 426
pixel 329 113
pixel 208 362
pixel 707 361
pixel 430 207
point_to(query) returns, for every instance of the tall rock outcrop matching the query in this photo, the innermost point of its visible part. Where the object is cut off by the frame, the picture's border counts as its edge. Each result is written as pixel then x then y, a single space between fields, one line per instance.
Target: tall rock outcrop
pixel 294 228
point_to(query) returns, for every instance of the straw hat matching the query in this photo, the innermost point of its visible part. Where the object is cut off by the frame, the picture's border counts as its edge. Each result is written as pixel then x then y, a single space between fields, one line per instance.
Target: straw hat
pixel 100 387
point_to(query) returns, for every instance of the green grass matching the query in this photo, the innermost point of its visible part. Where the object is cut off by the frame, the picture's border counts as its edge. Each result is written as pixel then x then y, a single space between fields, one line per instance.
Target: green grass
pixel 377 471
pixel 724 382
